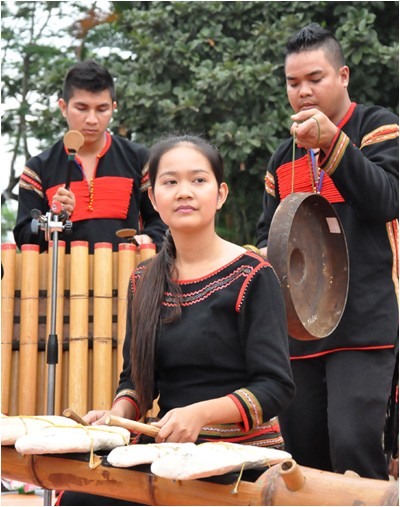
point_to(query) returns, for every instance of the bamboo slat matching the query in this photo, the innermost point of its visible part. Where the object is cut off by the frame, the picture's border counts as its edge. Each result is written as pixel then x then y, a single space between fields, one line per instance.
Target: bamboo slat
pixel 13 405
pixel 147 250
pixel 102 326
pixel 28 348
pixel 41 391
pixel 79 327
pixel 126 264
pixel 8 258
pixel 90 325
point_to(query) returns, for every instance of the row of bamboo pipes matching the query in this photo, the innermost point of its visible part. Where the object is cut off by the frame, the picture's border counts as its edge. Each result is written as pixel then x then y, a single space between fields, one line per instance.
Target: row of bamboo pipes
pixel 90 288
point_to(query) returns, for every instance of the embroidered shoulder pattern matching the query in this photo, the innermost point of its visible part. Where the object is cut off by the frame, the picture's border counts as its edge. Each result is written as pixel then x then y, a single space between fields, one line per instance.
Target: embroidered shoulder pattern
pixel 145 181
pixel 269 184
pixel 243 290
pixel 136 275
pixel 336 154
pixel 29 180
pixel 191 298
pixel 392 229
pixel 382 133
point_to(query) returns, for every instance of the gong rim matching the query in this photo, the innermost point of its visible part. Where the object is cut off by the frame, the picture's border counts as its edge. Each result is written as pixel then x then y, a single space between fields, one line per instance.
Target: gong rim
pixel 308 250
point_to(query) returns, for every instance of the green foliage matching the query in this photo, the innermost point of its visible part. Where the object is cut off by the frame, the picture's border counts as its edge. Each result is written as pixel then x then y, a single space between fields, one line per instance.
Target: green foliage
pixel 217 68
pixel 32 70
pixel 7 222
pixel 214 68
pixel 374 66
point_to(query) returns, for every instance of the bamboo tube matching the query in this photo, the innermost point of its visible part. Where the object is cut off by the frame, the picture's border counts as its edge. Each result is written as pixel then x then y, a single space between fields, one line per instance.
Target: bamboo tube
pixel 132 426
pixel 90 379
pixel 137 256
pixel 41 389
pixel 65 379
pixel 136 485
pixel 102 326
pixel 126 264
pixel 40 383
pixel 147 250
pixel 67 271
pixel 325 488
pixel 115 256
pixel 18 270
pixel 115 371
pixel 28 351
pixel 79 327
pixel 59 318
pixel 91 273
pixel 8 258
pixel 43 267
pixel 14 382
pixel 291 474
pixel 13 402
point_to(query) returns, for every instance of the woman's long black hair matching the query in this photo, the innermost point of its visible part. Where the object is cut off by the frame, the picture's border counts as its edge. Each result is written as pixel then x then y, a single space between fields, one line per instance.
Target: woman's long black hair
pixel 158 278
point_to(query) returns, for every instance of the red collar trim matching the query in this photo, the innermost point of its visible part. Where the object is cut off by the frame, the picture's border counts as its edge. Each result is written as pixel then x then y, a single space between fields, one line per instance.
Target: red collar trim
pixel 106 146
pixel 347 116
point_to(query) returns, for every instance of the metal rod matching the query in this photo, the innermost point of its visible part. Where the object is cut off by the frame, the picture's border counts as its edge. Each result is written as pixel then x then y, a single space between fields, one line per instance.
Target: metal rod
pixel 52 223
pixel 52 344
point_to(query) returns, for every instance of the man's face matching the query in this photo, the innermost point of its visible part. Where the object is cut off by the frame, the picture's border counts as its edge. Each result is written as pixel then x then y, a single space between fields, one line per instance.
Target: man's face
pixel 313 82
pixel 89 113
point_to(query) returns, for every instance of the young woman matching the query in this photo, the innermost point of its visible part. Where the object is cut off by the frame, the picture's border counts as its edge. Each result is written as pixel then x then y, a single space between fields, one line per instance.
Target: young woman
pixel 206 331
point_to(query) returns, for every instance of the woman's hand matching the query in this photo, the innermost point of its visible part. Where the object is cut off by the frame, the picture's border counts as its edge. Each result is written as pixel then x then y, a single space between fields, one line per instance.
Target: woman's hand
pixel 121 409
pixel 143 239
pixel 96 417
pixel 184 424
pixel 180 425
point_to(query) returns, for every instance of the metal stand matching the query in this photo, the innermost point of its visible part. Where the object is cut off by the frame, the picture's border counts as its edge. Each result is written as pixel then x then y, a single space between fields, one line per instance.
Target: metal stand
pixel 52 224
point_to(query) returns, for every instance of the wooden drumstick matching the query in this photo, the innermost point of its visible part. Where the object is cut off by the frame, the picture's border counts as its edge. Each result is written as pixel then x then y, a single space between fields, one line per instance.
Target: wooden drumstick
pixel 133 426
pixel 74 416
pixel 128 234
pixel 73 140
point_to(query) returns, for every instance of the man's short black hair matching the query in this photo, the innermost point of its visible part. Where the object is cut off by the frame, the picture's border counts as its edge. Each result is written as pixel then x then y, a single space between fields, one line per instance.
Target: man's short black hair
pixel 313 37
pixel 89 76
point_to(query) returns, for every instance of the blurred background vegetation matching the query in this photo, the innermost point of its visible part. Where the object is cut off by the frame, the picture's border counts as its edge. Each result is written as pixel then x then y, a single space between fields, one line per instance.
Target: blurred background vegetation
pixel 214 68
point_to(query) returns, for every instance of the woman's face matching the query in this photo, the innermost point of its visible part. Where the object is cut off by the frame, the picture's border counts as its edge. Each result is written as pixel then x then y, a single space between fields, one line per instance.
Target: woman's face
pixel 186 193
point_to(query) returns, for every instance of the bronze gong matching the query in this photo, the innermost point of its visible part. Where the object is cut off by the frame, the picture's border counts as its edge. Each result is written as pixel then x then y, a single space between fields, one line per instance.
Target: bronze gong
pixel 308 250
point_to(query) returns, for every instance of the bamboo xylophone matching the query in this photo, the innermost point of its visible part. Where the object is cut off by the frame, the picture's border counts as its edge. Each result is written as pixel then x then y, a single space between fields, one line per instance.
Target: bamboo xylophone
pixel 91 317
pixel 283 484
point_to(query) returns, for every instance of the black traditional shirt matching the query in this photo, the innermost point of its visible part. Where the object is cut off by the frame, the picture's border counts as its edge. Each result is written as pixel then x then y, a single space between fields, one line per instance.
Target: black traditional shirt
pixel 115 198
pixel 360 179
pixel 231 340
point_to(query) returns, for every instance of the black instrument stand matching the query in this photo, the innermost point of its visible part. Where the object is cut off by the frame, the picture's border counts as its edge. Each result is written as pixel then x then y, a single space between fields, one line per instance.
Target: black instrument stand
pixel 52 224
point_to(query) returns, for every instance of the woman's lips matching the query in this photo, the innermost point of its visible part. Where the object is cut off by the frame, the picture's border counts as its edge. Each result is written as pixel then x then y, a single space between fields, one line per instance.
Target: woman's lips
pixel 184 209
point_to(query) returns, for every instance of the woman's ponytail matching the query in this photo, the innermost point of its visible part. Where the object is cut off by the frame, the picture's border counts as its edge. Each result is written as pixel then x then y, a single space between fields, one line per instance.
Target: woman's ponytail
pixel 148 314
